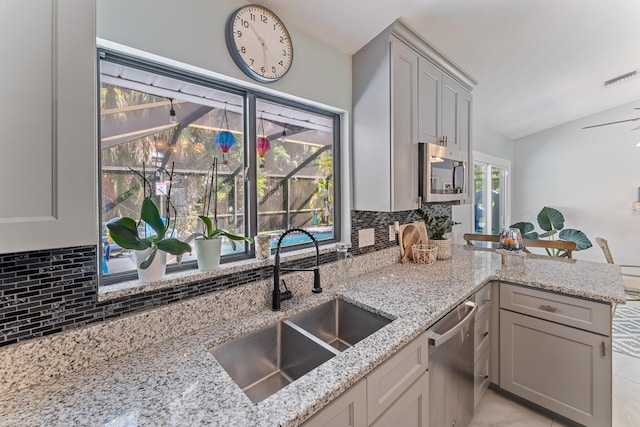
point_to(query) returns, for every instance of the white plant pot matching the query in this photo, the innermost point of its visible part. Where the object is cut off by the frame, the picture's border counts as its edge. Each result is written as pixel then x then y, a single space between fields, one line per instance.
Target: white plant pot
pixel 156 270
pixel 208 253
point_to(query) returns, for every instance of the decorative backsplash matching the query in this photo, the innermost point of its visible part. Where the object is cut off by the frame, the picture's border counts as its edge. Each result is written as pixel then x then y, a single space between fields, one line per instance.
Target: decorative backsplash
pixel 50 291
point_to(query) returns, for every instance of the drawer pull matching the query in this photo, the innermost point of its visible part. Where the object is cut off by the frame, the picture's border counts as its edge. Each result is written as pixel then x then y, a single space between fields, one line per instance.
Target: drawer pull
pixel 486 301
pixel 604 349
pixel 549 308
pixel 484 334
pixel 483 376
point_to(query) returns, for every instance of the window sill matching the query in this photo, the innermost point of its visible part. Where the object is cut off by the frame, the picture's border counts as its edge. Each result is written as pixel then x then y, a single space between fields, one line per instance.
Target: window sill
pixel 130 287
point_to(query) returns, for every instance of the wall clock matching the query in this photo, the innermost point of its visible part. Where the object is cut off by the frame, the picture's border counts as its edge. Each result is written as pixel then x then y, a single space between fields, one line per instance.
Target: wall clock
pixel 259 43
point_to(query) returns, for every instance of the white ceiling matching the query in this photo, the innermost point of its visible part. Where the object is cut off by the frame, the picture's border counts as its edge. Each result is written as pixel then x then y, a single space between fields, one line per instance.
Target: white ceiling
pixel 538 63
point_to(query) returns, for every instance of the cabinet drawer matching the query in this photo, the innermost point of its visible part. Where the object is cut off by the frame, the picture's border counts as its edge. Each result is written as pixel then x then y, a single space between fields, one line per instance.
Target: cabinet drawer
pixel 584 314
pixel 480 377
pixel 483 300
pixel 389 380
pixel 411 409
pixel 347 410
pixel 481 337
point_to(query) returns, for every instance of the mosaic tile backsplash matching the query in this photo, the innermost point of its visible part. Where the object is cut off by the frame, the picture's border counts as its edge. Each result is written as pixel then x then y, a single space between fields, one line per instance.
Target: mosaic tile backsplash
pixel 49 291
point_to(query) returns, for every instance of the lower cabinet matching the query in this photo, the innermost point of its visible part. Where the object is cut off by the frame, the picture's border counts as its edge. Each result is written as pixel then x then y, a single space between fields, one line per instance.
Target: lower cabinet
pixel 348 410
pixel 393 394
pixel 559 367
pixel 409 410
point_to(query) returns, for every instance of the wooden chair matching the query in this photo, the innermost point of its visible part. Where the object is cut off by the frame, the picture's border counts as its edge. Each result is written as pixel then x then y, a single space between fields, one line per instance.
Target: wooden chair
pixel 631 281
pixel 566 247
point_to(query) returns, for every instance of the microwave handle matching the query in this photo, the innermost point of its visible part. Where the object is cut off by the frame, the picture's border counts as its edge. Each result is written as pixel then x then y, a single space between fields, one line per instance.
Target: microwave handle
pixel 464 175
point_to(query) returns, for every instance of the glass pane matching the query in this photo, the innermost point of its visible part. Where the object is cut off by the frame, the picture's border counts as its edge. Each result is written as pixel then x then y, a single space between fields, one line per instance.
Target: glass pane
pixel 137 131
pixel 498 199
pixel 480 200
pixel 295 171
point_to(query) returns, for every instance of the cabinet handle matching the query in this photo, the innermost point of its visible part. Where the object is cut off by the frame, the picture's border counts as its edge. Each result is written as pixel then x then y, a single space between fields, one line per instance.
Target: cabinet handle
pixel 484 334
pixel 483 376
pixel 548 308
pixel 604 349
pixel 486 301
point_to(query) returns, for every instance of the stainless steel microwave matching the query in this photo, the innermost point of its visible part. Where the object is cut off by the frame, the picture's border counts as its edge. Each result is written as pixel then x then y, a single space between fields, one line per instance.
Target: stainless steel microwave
pixel 443 174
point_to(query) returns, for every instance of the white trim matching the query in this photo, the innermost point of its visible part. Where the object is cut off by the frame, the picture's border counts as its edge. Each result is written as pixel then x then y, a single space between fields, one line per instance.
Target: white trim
pixel 501 163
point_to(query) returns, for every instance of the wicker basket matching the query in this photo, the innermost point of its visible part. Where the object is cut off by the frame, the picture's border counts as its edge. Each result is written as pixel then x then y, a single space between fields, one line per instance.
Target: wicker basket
pixel 424 254
pixel 444 248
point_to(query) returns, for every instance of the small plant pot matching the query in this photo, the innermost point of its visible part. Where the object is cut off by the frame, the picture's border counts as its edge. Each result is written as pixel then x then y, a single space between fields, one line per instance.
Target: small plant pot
pixel 156 270
pixel 444 248
pixel 208 253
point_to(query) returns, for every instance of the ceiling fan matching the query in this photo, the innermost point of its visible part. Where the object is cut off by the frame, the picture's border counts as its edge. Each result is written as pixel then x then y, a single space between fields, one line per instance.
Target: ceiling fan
pixel 616 122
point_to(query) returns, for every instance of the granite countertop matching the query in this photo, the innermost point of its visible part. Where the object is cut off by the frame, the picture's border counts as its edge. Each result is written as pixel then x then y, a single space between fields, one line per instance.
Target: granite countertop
pixel 179 383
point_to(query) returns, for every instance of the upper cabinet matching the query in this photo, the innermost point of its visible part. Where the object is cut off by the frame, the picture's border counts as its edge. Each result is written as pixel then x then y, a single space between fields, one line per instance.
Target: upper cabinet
pixel 48 119
pixel 404 93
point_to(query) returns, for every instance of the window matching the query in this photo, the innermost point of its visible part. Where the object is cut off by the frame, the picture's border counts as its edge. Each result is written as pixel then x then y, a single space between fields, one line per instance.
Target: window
pixel 161 122
pixel 491 194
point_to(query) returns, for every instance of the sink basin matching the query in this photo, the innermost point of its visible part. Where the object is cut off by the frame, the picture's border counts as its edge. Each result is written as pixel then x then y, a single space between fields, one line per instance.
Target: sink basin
pixel 265 361
pixel 339 323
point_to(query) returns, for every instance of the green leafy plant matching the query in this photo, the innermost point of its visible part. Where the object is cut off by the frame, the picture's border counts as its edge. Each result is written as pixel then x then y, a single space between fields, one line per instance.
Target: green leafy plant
pixel 210 226
pixel 438 225
pixel 551 221
pixel 125 233
pixel 125 230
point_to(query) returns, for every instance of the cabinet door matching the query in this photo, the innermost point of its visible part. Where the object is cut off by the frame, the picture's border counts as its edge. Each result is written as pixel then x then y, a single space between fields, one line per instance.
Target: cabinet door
pixel 404 107
pixel 429 81
pixel 560 368
pixel 348 410
pixel 456 115
pixel 48 120
pixel 411 409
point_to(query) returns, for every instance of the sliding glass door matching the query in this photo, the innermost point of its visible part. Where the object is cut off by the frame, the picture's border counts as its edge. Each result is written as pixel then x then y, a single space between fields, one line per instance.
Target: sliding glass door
pixel 491 209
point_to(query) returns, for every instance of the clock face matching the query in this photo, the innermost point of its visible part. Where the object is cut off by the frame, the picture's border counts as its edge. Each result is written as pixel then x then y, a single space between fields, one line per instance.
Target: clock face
pixel 259 43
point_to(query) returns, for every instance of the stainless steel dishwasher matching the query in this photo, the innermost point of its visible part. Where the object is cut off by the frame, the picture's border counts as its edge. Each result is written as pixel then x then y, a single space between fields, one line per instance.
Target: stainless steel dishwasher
pixel 451 368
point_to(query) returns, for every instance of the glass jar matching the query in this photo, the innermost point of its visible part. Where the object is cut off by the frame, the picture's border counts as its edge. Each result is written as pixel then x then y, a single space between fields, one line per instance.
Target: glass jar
pixel 263 246
pixel 342 267
pixel 511 239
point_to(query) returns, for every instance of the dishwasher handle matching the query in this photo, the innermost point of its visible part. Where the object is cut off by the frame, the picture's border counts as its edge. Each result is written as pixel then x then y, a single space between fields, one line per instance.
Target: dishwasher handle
pixel 437 340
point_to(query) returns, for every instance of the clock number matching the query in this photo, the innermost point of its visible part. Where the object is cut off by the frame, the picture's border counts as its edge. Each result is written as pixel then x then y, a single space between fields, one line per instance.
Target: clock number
pixel 263 19
pixel 244 23
pixel 281 63
pixel 282 39
pixel 284 52
pixel 252 60
pixel 273 69
pixel 253 17
pixel 239 33
pixel 243 49
pixel 263 70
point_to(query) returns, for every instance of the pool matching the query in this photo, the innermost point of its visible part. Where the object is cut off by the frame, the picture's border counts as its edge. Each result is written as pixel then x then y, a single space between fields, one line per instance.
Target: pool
pixel 296 238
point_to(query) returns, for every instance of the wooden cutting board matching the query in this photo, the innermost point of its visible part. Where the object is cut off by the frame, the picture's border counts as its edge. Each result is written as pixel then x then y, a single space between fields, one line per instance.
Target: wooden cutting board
pixel 414 233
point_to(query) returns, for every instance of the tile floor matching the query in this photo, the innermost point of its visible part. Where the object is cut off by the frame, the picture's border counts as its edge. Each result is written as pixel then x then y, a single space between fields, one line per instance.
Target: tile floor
pixel 496 410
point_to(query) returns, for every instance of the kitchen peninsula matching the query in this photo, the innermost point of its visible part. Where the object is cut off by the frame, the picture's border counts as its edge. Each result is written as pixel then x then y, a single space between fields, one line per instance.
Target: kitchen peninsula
pixel 178 381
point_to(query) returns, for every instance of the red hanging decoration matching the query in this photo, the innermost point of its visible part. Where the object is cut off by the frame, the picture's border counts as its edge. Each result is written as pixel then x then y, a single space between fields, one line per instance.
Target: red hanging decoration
pixel 262 144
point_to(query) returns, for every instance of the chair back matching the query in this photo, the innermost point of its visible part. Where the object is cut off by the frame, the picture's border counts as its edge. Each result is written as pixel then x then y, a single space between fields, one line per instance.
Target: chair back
pixel 604 245
pixel 563 245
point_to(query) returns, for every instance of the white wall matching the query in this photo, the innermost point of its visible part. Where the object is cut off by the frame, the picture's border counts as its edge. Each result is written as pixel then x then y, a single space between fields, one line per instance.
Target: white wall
pixel 193 32
pixel 592 176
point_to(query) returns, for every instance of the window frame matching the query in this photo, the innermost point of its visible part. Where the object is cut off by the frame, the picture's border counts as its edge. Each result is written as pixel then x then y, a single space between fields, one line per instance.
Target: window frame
pixel 250 97
pixel 491 161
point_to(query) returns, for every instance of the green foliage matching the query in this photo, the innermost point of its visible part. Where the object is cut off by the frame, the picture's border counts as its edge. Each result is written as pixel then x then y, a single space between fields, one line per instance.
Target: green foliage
pixel 552 222
pixel 439 225
pixel 212 233
pixel 125 233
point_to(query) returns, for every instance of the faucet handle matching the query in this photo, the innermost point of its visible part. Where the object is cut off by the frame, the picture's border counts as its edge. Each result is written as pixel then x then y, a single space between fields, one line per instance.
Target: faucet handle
pixel 287 294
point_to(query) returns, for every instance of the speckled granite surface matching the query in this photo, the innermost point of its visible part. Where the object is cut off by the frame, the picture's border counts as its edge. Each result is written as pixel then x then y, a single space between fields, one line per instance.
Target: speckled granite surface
pixel 178 382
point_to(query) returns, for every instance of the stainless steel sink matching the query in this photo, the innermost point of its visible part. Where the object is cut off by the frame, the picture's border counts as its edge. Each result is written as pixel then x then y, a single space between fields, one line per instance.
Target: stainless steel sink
pixel 265 361
pixel 339 323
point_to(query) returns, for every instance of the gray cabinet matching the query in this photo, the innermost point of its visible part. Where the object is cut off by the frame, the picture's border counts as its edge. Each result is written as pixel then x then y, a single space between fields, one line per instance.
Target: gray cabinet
pixel 484 330
pixel 398 101
pixel 348 410
pixel 48 119
pixel 385 161
pixel 549 361
pixel 411 409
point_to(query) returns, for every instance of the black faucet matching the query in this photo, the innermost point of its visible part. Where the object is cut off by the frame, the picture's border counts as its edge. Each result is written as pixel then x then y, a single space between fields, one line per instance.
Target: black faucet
pixel 279 296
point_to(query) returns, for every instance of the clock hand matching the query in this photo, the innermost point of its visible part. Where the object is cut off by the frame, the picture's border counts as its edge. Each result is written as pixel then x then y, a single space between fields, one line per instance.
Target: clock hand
pixel 260 39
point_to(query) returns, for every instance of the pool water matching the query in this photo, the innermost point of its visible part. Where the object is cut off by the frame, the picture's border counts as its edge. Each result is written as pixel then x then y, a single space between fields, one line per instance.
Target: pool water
pixel 296 238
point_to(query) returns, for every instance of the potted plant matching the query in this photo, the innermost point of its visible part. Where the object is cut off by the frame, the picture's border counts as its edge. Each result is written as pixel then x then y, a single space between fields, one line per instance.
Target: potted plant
pixel 150 251
pixel 438 226
pixel 209 242
pixel 552 222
